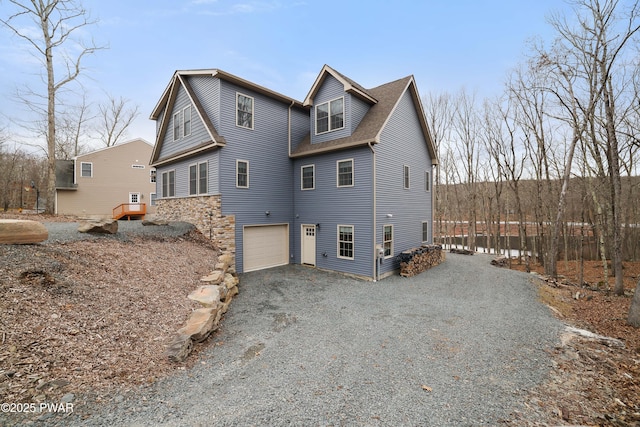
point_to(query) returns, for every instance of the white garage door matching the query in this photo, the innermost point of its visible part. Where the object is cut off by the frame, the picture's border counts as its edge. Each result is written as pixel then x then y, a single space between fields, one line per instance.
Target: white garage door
pixel 265 246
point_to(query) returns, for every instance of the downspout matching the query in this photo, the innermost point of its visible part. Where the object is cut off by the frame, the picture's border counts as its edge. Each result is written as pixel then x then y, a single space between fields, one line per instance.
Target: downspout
pixel 293 193
pixel 375 227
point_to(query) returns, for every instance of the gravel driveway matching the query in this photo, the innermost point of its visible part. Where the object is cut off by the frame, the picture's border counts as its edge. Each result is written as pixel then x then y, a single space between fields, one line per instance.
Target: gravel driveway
pixel 457 345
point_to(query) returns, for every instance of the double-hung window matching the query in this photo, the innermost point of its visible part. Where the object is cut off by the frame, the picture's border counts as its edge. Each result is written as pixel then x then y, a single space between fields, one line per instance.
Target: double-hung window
pixel 198 178
pixel 308 177
pixel 345 173
pixel 425 231
pixel 244 111
pixel 176 126
pixel 345 241
pixel 330 116
pixel 427 181
pixel 86 169
pixel 152 175
pixel 387 239
pixel 169 183
pixel 405 173
pixel 186 121
pixel 242 174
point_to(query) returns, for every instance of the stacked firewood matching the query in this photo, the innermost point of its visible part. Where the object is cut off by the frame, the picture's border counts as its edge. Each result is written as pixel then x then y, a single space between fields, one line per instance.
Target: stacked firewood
pixel 415 261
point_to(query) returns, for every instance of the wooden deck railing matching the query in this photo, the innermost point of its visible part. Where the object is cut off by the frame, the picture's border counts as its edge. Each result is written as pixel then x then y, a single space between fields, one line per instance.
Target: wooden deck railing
pixel 129 210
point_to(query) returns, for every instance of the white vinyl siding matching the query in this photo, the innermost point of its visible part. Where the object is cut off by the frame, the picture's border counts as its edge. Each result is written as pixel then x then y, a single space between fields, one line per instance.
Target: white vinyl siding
pixel 345 241
pixel 344 173
pixel 86 170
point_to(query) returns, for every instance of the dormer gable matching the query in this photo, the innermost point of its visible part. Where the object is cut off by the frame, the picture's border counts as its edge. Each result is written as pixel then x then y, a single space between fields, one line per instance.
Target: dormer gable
pixel 349 86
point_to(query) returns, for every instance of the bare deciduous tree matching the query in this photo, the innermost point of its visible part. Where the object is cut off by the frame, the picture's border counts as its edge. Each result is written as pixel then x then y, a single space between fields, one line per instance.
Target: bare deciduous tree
pixel 115 116
pixel 58 22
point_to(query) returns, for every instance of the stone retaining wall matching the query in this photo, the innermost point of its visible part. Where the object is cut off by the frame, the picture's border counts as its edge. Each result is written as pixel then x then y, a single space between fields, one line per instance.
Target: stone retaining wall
pixel 205 212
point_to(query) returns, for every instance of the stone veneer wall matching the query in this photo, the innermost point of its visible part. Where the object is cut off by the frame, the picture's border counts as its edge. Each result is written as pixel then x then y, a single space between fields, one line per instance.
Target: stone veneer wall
pixel 205 212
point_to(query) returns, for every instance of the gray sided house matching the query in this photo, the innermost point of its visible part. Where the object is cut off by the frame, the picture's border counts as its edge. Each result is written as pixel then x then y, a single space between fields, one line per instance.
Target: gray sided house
pixel 341 181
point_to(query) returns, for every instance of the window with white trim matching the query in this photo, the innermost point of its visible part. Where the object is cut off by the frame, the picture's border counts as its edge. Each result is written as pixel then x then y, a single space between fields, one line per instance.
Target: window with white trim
pixel 152 198
pixel 186 121
pixel 308 178
pixel 152 175
pixel 198 178
pixel 86 170
pixel 169 183
pixel 176 126
pixel 387 240
pixel 427 181
pixel 244 111
pixel 345 241
pixel 425 231
pixel 242 174
pixel 330 116
pixel 405 176
pixel 344 172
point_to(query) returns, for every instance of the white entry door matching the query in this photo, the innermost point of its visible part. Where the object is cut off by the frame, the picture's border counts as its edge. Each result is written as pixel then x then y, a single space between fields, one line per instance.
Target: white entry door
pixel 309 244
pixel 134 200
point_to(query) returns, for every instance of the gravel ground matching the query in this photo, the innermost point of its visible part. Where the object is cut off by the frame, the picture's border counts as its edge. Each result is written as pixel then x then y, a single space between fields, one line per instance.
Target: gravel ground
pixel 67 231
pixel 460 344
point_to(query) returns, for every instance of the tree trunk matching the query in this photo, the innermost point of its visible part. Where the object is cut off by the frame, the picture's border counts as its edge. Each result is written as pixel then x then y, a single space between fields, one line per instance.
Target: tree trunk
pixel 634 310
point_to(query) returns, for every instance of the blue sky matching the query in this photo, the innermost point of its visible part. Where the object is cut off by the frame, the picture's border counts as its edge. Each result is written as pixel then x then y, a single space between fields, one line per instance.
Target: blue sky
pixel 283 45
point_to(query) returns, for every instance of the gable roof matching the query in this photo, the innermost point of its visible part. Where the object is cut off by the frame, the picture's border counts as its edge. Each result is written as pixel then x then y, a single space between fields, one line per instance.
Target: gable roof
pixel 115 147
pixel 349 85
pixel 168 98
pixel 372 124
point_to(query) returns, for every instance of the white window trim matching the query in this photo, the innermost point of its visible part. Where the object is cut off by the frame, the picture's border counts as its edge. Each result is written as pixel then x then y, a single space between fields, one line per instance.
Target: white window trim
pixel 153 176
pixel 313 185
pixel 206 189
pixel 329 129
pixel 152 199
pixel 168 183
pixel 176 119
pixel 253 107
pixel 188 107
pixel 85 176
pixel 427 181
pixel 353 242
pixel 199 190
pixel 237 162
pixel 406 177
pixel 384 241
pixel 422 231
pixel 353 173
